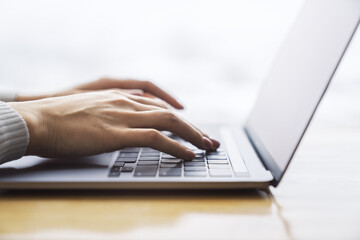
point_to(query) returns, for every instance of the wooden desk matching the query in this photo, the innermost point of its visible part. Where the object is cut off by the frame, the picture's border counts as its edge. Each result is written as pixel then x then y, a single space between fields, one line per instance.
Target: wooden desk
pixel 318 199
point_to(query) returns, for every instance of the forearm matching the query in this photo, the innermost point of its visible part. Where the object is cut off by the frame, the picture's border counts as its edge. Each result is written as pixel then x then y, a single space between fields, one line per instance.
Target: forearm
pixel 14 135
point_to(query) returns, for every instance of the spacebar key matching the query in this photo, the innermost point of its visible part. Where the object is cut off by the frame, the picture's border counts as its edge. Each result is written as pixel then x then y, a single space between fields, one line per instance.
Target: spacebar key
pixel 145 171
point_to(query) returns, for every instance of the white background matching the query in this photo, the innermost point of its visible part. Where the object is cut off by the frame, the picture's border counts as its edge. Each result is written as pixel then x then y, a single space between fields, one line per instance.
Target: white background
pixel 212 55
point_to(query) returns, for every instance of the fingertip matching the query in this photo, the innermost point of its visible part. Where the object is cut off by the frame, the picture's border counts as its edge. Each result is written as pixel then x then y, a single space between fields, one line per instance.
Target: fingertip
pixel 216 144
pixel 179 107
pixel 176 105
pixel 190 155
pixel 207 143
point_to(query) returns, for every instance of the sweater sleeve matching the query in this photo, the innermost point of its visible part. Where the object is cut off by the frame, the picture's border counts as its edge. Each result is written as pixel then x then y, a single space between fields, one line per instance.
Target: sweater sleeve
pixel 14 134
pixel 7 96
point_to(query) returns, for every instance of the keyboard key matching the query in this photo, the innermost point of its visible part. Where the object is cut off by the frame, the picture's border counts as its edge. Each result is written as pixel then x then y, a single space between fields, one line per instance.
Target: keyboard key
pixel 129 165
pixel 195 174
pixel 195 168
pixel 150 154
pixel 170 165
pixel 217 161
pixel 201 159
pixel 119 164
pixel 199 151
pixel 219 166
pixel 127 169
pixel 128 155
pixel 217 153
pixel 115 169
pixel 114 174
pixel 126 160
pixel 171 160
pixel 149 158
pixel 170 172
pixel 220 172
pixel 147 163
pixel 201 164
pixel 216 157
pixel 167 156
pixel 145 171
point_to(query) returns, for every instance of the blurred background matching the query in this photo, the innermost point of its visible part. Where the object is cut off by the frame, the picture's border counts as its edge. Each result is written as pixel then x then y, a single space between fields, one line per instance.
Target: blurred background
pixel 212 55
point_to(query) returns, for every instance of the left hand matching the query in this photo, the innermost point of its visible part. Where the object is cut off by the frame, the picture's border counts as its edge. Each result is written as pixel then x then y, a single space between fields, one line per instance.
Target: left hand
pixel 135 87
pixel 105 121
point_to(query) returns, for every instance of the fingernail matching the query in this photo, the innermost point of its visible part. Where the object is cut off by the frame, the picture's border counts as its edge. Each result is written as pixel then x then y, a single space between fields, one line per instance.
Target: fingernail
pixel 190 155
pixel 207 142
pixel 216 144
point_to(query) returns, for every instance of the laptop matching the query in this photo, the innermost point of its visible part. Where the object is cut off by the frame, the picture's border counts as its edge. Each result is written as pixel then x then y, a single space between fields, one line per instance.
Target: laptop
pixel 255 155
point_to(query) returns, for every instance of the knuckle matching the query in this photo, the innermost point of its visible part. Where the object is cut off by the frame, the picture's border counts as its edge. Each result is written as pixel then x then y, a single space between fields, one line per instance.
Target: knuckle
pixel 121 101
pixel 152 135
pixel 114 114
pixel 170 116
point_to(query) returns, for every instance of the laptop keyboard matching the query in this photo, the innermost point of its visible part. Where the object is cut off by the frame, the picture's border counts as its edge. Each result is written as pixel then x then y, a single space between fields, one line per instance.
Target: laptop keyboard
pixel 147 162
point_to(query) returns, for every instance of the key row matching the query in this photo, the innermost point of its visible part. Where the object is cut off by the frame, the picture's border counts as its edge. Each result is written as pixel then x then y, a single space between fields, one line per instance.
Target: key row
pixel 149 168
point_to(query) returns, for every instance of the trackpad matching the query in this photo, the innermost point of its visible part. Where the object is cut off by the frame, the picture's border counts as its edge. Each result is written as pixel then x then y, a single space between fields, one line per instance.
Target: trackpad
pixel 35 166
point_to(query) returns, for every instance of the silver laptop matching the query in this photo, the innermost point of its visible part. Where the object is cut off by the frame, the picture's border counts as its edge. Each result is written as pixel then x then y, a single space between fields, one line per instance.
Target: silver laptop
pixel 252 156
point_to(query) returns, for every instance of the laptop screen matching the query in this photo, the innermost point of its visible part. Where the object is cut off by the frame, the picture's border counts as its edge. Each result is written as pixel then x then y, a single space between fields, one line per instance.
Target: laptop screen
pixel 299 78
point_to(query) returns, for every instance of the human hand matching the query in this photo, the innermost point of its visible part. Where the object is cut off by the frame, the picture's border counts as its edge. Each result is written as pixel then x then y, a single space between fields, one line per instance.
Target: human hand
pixel 105 121
pixel 135 87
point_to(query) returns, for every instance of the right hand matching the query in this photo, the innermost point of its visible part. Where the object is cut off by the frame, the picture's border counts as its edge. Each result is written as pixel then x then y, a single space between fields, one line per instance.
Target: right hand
pixel 105 121
pixel 135 87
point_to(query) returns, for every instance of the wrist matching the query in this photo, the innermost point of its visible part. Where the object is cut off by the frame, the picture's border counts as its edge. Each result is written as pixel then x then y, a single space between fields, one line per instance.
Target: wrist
pixel 34 122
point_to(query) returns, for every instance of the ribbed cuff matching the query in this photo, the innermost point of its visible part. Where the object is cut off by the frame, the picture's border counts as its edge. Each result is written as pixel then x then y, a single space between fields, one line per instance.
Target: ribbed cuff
pixel 8 96
pixel 14 134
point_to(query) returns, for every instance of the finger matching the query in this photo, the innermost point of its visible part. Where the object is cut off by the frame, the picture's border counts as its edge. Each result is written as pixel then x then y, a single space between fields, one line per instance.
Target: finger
pixel 136 92
pixel 139 107
pixel 149 95
pixel 148 101
pixel 216 143
pixel 160 93
pixel 142 100
pixel 144 85
pixel 168 120
pixel 156 140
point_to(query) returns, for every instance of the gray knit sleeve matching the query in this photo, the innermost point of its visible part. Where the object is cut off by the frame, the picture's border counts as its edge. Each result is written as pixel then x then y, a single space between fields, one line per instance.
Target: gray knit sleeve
pixel 14 134
pixel 8 96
